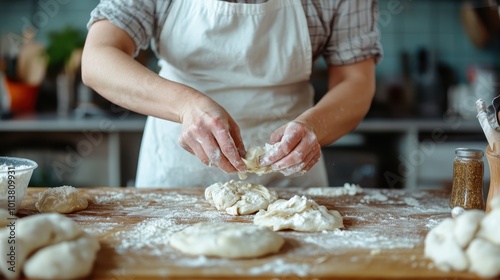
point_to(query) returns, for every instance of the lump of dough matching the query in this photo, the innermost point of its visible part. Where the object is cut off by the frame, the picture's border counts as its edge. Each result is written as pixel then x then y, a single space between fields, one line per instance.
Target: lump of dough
pixel 63 199
pixel 443 249
pixel 4 217
pixel 490 227
pixel 239 198
pixel 252 158
pixel 484 258
pixel 65 260
pixel 457 211
pixel 495 203
pixel 229 240
pixel 32 233
pixel 466 226
pixel 300 214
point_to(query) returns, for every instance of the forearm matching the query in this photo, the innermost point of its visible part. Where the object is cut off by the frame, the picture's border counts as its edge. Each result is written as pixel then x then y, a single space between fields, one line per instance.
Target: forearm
pixel 108 68
pixel 342 108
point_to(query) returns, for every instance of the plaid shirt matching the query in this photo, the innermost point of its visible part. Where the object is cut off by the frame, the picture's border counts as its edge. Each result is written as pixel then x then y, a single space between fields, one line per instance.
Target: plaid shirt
pixel 342 31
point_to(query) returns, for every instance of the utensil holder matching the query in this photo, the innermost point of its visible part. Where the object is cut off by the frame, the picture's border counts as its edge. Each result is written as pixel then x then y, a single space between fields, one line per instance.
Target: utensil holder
pixel 494 165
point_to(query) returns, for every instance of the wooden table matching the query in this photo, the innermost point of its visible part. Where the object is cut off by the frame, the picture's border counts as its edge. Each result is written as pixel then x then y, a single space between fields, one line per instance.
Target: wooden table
pixel 382 239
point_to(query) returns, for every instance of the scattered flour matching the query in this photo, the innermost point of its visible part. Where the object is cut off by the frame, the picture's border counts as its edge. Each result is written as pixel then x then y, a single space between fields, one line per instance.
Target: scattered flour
pixel 347 189
pixel 160 214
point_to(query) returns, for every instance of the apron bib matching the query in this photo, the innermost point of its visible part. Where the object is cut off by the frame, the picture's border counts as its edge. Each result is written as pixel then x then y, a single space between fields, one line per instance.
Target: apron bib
pixel 253 59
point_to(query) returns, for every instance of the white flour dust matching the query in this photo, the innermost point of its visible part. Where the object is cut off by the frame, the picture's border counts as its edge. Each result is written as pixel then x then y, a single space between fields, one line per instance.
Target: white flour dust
pixel 369 224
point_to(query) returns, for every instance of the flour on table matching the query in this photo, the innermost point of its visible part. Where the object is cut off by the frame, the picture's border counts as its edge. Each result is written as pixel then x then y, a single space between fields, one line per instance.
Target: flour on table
pixel 468 242
pixel 300 214
pixel 229 240
pixel 239 198
pixel 347 189
pixel 65 199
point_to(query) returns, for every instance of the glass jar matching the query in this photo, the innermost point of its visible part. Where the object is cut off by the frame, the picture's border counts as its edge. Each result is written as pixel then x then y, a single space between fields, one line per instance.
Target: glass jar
pixel 468 173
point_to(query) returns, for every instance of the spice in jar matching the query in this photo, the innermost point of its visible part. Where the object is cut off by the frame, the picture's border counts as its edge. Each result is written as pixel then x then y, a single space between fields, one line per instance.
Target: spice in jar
pixel 468 172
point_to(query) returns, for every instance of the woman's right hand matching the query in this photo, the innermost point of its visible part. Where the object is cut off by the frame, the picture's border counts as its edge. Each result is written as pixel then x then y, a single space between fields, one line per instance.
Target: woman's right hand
pixel 209 133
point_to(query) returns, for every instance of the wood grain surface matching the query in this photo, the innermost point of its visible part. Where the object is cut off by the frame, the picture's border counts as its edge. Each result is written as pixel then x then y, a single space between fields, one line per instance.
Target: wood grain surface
pixel 382 239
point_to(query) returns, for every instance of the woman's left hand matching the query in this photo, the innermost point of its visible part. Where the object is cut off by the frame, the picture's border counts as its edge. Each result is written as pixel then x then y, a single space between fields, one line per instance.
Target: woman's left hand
pixel 296 149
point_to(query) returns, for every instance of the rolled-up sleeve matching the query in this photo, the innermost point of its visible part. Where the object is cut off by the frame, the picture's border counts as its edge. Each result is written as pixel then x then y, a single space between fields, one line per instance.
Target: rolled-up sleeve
pixel 137 18
pixel 355 35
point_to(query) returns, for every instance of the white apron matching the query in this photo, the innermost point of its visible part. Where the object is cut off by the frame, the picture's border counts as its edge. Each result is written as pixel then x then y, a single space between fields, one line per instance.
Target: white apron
pixel 253 59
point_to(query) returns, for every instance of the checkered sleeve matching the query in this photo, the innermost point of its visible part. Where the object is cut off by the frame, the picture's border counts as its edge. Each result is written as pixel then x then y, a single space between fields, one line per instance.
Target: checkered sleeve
pixel 354 33
pixel 137 18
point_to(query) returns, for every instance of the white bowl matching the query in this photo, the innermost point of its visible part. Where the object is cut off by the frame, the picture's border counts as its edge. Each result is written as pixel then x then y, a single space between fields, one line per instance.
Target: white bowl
pixel 15 175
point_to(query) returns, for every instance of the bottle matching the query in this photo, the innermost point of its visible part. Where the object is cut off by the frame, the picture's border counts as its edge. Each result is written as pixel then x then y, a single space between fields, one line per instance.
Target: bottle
pixel 468 173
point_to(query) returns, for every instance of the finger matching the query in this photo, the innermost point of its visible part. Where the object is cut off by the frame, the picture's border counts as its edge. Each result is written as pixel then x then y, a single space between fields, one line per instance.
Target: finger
pixel 277 135
pixel 312 162
pixel 238 141
pixel 280 150
pixel 198 151
pixel 301 154
pixel 229 150
pixel 216 157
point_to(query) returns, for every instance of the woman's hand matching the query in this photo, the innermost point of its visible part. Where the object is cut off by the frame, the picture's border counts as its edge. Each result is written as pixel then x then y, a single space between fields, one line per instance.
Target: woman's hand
pixel 296 149
pixel 209 132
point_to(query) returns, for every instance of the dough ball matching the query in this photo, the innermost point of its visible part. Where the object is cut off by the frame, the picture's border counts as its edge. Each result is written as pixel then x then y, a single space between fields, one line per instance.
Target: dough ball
pixel 63 199
pixel 239 198
pixel 484 258
pixel 227 240
pixel 443 249
pixel 4 217
pixel 495 202
pixel 466 226
pixel 35 232
pixel 457 211
pixel 490 227
pixel 65 260
pixel 252 159
pixel 300 214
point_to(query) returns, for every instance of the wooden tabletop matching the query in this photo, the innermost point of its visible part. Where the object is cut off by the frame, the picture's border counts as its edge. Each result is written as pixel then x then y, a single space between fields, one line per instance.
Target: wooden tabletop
pixel 382 239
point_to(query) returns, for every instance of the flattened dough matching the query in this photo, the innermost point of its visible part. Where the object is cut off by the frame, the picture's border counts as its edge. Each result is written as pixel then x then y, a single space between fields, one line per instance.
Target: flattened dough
pixel 239 198
pixel 63 199
pixel 300 214
pixel 228 240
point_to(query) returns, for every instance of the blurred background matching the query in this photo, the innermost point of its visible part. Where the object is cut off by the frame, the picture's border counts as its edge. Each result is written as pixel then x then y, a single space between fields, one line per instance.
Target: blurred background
pixel 440 56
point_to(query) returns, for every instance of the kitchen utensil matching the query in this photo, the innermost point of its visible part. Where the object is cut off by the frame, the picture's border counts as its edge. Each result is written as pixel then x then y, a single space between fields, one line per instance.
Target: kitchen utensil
pixel 492 113
pixel 491 134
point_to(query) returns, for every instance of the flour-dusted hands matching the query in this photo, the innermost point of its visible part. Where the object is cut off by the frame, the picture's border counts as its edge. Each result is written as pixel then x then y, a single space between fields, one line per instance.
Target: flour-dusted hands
pixel 295 149
pixel 209 133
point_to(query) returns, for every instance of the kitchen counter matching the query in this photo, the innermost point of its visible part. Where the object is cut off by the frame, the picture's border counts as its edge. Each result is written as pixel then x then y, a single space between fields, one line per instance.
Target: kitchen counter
pixel 382 239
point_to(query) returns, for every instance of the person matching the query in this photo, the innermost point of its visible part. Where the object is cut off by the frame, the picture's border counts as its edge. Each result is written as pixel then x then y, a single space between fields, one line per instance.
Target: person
pixel 234 74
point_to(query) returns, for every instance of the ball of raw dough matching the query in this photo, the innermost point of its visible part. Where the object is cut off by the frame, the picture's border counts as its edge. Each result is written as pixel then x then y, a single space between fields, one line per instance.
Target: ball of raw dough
pixel 466 226
pixel 300 214
pixel 484 258
pixel 239 198
pixel 443 249
pixel 457 211
pixel 66 260
pixel 65 199
pixel 229 240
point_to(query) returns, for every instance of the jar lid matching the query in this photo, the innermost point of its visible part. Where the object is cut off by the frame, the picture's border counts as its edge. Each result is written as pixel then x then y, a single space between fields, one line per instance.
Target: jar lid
pixel 469 153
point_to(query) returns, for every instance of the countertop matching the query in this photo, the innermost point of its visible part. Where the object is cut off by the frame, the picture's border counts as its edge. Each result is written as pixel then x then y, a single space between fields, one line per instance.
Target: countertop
pixel 382 239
